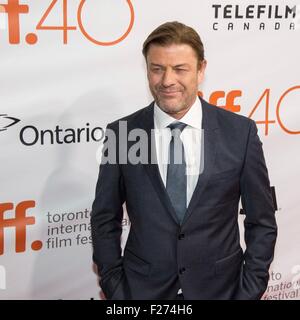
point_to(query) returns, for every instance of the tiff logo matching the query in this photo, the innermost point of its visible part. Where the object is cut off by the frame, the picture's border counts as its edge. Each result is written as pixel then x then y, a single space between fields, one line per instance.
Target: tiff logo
pixel 20 223
pixel 13 9
pixel 2 278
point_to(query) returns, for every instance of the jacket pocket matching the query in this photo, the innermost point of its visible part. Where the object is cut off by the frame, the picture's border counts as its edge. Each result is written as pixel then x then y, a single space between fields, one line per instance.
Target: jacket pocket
pixel 135 263
pixel 232 261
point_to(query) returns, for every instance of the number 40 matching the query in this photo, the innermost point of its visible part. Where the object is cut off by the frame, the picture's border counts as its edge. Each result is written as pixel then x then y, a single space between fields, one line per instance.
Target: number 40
pixel 65 27
pixel 266 96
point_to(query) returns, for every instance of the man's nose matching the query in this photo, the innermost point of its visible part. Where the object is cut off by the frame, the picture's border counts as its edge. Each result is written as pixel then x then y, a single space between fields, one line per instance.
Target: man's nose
pixel 168 78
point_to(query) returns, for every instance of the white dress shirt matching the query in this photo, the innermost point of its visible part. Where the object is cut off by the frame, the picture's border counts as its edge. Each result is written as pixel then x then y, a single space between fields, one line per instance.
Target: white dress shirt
pixel 191 139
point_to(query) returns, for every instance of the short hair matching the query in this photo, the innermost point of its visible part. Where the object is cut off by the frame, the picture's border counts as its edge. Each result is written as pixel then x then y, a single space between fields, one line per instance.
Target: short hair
pixel 175 33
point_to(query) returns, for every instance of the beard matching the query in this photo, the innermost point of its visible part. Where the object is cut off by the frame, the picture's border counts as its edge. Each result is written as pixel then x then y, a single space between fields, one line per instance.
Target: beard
pixel 173 106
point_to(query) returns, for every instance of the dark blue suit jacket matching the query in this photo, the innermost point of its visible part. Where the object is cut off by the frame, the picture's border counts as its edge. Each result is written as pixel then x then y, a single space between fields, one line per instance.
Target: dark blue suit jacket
pixel 203 254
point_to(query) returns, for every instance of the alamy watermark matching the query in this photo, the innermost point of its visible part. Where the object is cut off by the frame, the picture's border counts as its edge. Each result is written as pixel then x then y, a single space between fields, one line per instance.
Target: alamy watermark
pixel 136 147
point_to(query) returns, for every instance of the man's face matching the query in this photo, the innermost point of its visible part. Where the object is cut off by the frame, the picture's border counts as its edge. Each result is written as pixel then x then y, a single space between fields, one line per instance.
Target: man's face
pixel 174 75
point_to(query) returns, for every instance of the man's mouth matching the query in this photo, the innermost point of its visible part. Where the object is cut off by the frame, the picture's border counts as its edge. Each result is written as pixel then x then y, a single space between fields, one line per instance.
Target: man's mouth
pixel 169 93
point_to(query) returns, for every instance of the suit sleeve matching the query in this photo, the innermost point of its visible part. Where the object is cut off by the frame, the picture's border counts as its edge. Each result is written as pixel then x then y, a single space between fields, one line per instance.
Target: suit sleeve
pixel 106 218
pixel 259 224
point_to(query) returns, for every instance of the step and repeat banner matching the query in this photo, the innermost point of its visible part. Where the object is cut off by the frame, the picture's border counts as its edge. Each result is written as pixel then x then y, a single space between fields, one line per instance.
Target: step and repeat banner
pixel 69 67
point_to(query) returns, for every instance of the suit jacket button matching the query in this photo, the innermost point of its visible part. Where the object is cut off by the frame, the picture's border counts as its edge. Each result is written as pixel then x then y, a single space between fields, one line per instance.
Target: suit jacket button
pixel 181 270
pixel 181 236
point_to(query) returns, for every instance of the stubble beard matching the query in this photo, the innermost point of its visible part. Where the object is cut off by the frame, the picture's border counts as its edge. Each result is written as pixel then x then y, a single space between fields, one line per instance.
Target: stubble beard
pixel 173 107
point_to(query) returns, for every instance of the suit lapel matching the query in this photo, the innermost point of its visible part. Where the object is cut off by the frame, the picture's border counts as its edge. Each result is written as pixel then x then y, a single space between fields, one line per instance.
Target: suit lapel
pixel 152 167
pixel 210 127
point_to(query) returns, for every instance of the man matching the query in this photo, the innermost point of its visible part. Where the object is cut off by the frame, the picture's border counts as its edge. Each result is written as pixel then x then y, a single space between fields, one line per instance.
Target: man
pixel 184 236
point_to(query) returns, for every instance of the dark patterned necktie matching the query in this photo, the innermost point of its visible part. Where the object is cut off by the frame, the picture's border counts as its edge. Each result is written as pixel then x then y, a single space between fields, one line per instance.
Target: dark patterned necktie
pixel 176 174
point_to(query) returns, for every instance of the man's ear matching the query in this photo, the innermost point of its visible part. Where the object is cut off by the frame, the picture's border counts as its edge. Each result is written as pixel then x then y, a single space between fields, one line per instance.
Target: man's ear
pixel 201 71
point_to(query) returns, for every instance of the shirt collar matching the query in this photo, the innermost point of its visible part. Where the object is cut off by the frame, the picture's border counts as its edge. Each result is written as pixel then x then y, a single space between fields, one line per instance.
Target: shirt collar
pixel 192 118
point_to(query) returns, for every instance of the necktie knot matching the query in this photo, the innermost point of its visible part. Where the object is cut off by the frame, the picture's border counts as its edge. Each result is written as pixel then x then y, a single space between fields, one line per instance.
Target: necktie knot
pixel 177 128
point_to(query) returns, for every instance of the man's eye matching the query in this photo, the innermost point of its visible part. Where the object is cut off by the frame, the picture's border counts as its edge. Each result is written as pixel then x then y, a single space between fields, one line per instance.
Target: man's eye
pixel 156 69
